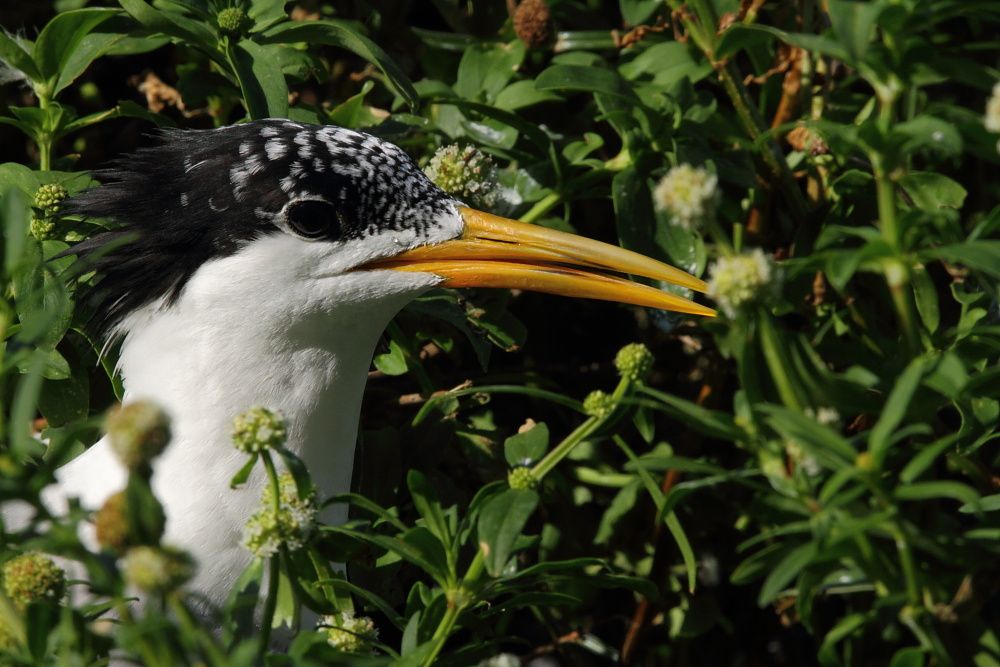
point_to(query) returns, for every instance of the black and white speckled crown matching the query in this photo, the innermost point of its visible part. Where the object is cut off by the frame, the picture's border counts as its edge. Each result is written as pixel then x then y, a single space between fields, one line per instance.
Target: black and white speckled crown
pixel 202 194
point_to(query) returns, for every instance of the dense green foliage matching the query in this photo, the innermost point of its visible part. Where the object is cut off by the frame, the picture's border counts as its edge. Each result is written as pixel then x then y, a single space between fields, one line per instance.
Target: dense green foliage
pixel 811 478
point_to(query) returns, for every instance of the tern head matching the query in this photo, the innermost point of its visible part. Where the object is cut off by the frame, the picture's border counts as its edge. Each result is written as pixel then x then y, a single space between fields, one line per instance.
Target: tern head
pixel 323 217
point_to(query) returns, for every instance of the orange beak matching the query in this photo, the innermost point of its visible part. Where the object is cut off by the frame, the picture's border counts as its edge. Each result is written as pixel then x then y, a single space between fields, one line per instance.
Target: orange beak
pixel 497 252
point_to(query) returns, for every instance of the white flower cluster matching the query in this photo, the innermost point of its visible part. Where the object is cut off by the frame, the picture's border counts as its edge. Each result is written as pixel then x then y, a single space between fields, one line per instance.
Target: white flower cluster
pixel 690 195
pixel 349 633
pixel 738 280
pixel 465 172
pixel 290 525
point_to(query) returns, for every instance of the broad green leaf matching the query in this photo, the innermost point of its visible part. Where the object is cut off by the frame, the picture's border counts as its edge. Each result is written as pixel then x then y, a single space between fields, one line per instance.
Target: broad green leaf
pixel 392 362
pixel 910 656
pixel 978 255
pixel 16 52
pixel 486 68
pixel 172 24
pixel 89 49
pixel 895 409
pixel 501 521
pixel 528 448
pixel 585 79
pixel 985 504
pixel 931 191
pixel 636 12
pixel 427 504
pixel 522 94
pixel 67 399
pixel 854 24
pixel 262 82
pixel 335 33
pixel 58 51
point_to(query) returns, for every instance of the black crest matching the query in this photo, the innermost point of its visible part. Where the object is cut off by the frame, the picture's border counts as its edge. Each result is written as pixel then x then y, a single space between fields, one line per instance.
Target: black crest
pixel 203 194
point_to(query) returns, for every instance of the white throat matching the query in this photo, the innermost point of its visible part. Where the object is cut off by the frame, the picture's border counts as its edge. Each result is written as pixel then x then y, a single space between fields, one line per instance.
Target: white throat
pixel 266 326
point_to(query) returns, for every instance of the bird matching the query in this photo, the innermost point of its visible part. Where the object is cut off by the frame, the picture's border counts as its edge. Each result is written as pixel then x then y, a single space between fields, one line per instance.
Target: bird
pixel 258 264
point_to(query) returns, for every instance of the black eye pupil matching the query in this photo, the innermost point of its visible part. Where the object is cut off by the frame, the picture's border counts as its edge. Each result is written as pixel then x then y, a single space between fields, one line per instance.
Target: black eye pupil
pixel 313 219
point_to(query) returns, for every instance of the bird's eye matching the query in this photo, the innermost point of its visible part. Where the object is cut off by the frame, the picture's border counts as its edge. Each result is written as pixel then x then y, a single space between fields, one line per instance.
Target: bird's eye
pixel 313 219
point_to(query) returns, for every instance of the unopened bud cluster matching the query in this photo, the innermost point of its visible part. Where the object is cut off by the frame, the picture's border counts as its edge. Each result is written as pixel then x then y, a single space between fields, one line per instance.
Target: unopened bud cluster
pixel 690 195
pixel 111 524
pixel 739 280
pixel 232 21
pixel 289 522
pixel 32 577
pixel 47 204
pixel 258 429
pixel 634 361
pixel 138 433
pixel 349 633
pixel 156 569
pixel 466 173
pixel 598 404
pixel 522 478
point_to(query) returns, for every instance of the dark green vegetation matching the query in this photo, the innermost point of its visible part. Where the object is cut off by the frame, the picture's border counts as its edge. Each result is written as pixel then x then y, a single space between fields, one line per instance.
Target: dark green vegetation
pixel 812 479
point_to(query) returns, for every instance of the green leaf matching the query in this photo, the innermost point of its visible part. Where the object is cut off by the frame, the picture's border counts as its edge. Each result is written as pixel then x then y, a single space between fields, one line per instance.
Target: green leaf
pixel 828 448
pixel 173 24
pixel 979 255
pixel 854 25
pixel 60 39
pixel 90 48
pixel 501 521
pixel 786 570
pixel 586 79
pixel 635 12
pixel 932 191
pixel 243 474
pixel 741 36
pixel 522 94
pixel 339 34
pixel 262 82
pixel 525 449
pixel 938 489
pixel 427 504
pixel 16 52
pixel 392 362
pixel 911 656
pixel 925 295
pixel 712 423
pixel 486 68
pixel 985 504
pixel 895 409
pixel 143 512
pixel 66 400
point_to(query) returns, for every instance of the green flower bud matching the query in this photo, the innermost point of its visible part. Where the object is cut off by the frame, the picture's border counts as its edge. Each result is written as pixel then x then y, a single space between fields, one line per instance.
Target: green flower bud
pixel 634 361
pixel 739 280
pixel 690 195
pixel 521 478
pixel 598 404
pixel 111 524
pixel 349 633
pixel 865 462
pixel 466 173
pixel 156 569
pixel 32 577
pixel 258 429
pixel 139 432
pixel 289 525
pixel 49 197
pixel 42 228
pixel 232 21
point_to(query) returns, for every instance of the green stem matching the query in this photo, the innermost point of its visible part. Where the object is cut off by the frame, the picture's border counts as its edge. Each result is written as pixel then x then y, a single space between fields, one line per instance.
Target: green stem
pixel 897 272
pixel 273 574
pixel 562 450
pixel 44 140
pixel 777 361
